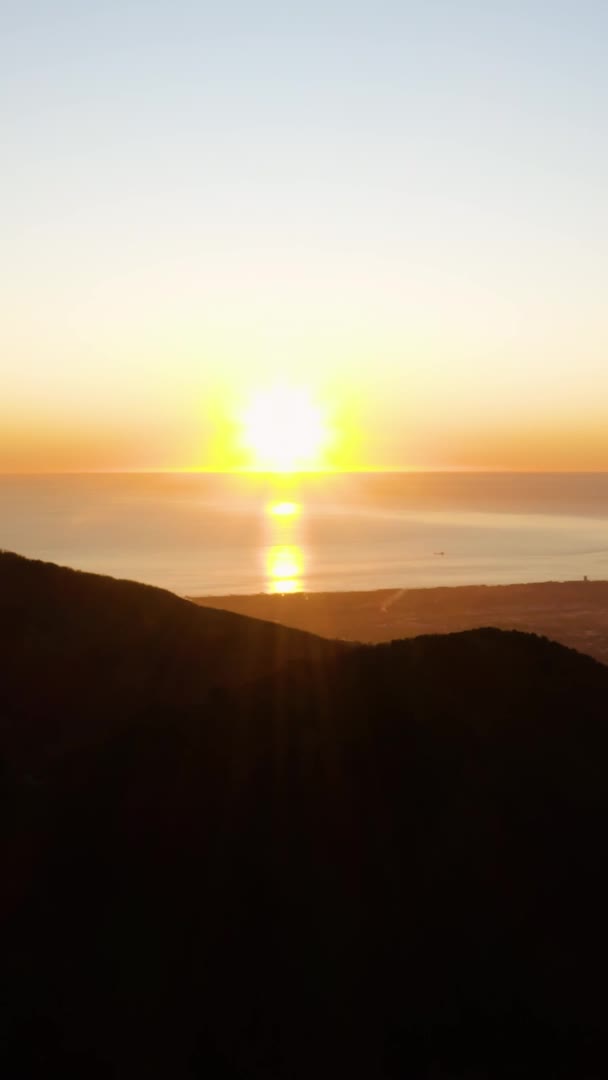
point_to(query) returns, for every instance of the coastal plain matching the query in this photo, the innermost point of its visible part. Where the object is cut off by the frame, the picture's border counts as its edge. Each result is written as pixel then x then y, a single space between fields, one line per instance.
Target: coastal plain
pixel 574 613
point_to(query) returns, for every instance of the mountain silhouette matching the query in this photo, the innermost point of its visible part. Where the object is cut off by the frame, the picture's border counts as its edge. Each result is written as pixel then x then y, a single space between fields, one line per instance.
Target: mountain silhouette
pixel 236 850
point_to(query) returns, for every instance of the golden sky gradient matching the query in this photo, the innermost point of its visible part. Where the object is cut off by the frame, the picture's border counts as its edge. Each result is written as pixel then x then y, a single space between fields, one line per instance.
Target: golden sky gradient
pixel 401 216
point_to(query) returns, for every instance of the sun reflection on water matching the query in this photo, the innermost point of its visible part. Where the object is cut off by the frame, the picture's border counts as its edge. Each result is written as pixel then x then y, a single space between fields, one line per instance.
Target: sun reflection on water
pixel 284 509
pixel 283 553
pixel 284 567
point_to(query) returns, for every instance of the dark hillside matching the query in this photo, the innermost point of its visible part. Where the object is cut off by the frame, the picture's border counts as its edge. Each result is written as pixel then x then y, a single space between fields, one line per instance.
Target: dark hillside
pixel 377 862
pixel 81 650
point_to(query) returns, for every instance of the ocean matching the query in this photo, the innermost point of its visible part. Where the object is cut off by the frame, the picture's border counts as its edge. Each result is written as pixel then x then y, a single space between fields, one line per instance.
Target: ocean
pixel 202 534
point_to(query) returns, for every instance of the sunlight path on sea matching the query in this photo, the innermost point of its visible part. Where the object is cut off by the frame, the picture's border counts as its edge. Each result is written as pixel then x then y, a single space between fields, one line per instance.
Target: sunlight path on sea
pixel 283 555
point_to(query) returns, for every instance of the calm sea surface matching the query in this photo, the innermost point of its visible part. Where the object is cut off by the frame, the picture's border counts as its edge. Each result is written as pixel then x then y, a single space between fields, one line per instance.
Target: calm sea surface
pixel 208 534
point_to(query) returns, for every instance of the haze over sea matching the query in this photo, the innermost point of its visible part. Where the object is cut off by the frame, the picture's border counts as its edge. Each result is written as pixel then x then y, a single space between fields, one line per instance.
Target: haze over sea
pixel 202 534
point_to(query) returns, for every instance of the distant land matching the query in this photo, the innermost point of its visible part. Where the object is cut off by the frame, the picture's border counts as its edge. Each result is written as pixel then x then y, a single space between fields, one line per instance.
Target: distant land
pixel 574 613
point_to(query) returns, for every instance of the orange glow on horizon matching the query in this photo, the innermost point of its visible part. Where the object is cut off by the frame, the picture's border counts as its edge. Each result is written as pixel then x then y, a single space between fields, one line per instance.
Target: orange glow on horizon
pixel 210 437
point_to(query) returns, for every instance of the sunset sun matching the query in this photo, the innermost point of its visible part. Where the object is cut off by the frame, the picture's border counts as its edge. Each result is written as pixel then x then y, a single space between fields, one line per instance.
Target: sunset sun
pixel 285 430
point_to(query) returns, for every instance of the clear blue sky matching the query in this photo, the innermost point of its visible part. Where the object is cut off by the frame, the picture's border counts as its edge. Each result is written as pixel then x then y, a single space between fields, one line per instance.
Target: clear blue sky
pixel 401 205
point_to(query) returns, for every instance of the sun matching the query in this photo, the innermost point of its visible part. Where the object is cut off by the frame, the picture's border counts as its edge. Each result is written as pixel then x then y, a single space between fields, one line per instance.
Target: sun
pixel 284 430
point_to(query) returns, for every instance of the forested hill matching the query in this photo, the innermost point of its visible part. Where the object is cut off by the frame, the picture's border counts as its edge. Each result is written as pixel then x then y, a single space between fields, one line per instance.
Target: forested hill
pixel 233 850
pixel 80 651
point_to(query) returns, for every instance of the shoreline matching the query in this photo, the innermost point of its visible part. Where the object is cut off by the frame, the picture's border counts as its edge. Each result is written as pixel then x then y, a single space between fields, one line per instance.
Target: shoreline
pixel 575 613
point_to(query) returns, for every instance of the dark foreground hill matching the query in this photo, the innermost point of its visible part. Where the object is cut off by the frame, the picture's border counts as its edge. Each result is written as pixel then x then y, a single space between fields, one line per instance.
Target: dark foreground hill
pixel 81 652
pixel 231 850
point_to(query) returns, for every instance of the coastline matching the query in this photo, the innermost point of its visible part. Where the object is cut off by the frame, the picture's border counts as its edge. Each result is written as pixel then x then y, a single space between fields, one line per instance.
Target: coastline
pixel 574 613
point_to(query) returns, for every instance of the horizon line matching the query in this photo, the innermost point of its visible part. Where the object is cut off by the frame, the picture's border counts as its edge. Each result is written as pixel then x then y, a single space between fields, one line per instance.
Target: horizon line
pixel 378 470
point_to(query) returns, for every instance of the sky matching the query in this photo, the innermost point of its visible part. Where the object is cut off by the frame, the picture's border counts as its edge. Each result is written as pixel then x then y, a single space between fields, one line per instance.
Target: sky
pixel 396 207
